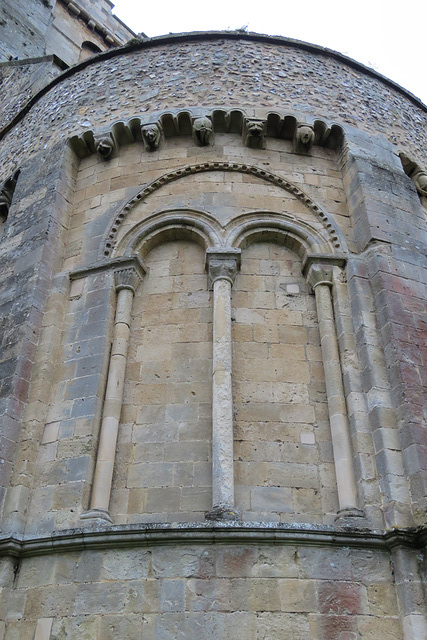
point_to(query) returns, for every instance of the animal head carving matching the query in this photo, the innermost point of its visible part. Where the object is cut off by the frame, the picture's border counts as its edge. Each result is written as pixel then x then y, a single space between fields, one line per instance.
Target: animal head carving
pixel 304 138
pixel 203 131
pixel 255 128
pixel 151 135
pixel 420 180
pixel 254 133
pixel 104 147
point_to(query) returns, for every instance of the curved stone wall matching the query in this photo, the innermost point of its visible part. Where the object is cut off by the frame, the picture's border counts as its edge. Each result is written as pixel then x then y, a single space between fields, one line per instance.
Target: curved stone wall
pixel 207 71
pixel 210 348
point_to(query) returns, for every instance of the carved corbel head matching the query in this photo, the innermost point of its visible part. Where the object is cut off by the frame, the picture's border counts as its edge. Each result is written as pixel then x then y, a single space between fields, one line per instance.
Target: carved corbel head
pixel 105 146
pixel 6 193
pixel 303 138
pixel 420 180
pixel 254 133
pixel 416 173
pixel 203 131
pixel 151 136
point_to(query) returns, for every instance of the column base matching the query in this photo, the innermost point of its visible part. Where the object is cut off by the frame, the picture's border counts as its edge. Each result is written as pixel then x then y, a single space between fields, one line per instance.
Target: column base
pixel 350 517
pixel 222 512
pixel 96 514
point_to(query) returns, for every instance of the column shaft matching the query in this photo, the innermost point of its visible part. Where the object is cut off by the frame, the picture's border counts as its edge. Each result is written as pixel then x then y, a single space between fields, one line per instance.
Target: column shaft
pixel 222 403
pixel 222 270
pixel 347 495
pixel 103 477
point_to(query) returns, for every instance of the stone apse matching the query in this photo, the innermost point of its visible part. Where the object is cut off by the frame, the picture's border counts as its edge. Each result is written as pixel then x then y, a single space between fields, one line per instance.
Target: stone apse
pixel 213 270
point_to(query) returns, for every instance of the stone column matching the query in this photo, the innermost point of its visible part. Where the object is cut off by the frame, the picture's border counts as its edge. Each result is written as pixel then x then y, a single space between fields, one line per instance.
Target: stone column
pixel 222 268
pixel 320 278
pixel 126 280
pixel 410 593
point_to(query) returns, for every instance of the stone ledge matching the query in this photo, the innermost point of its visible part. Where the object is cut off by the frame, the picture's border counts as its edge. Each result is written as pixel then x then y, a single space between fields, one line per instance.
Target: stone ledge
pixel 126 536
pixel 37 60
pixel 111 265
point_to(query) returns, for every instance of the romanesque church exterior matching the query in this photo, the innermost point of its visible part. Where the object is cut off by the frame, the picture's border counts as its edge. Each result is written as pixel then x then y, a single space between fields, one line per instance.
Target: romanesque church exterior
pixel 213 325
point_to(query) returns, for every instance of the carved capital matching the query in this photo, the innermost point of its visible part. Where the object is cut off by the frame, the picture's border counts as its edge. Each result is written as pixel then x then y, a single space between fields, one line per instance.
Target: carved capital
pixel 7 190
pixel 203 131
pixel 254 131
pixel 151 136
pixel 319 268
pixel 303 138
pixel 222 265
pixel 105 146
pixel 127 277
pixel 319 273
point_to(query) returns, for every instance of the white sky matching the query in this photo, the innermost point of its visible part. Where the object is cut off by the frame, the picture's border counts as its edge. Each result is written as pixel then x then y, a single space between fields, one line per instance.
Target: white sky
pixel 386 35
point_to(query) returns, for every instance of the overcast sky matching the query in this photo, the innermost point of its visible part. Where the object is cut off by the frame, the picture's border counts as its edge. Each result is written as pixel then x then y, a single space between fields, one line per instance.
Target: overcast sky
pixel 388 36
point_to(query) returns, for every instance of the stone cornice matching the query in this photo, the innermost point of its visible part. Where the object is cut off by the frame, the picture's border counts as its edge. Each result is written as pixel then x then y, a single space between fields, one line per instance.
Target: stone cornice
pixel 318 269
pixel 323 258
pixel 118 264
pixel 82 14
pixel 275 124
pixel 120 536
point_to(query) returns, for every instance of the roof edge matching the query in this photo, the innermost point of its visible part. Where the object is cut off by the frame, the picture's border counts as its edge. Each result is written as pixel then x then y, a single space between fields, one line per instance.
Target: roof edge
pixel 195 36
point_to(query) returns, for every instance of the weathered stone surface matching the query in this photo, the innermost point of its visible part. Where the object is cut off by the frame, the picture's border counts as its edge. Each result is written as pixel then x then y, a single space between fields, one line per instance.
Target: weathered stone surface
pixel 187 587
pixel 272 198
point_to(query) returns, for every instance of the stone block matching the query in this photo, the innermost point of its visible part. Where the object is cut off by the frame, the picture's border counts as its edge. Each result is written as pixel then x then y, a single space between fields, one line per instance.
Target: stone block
pixel 270 625
pixel 196 498
pixel 51 602
pixel 297 596
pixel 100 598
pixel 342 598
pixel 19 630
pixel 118 626
pixel 50 433
pixel 277 499
pixel 143 596
pixel 130 564
pixel 382 599
pixel 325 564
pixel 333 627
pixel 162 499
pixel 172 597
pixel 35 574
pixel 373 627
pixel 169 562
pixel 150 474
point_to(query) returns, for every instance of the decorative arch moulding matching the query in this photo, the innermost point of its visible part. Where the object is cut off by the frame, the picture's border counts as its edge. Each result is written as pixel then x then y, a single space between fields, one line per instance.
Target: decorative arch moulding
pixel 202 126
pixel 212 237
pixel 333 236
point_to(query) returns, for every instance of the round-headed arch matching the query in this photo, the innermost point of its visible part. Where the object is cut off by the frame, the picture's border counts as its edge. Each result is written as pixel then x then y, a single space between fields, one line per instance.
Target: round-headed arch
pixel 264 226
pixel 334 237
pixel 173 224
